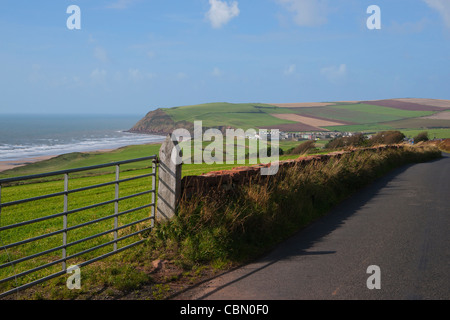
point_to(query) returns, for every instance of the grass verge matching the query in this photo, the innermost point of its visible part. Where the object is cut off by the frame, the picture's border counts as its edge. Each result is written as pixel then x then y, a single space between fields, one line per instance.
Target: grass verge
pixel 241 225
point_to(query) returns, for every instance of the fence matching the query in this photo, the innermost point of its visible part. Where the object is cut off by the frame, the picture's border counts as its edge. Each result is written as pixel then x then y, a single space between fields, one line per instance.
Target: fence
pixel 65 228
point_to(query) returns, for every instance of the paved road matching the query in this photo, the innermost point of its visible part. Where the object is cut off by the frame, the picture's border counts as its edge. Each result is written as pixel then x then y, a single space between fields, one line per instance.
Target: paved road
pixel 401 223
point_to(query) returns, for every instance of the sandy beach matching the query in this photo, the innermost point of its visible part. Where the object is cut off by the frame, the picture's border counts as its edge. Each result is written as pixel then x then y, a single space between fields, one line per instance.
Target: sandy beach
pixel 6 165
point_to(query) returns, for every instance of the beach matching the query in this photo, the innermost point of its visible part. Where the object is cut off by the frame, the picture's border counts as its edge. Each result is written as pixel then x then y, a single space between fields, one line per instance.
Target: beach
pixel 6 165
pixel 27 139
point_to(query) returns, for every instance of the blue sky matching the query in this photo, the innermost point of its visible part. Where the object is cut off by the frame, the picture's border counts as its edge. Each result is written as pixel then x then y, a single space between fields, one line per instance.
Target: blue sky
pixel 133 56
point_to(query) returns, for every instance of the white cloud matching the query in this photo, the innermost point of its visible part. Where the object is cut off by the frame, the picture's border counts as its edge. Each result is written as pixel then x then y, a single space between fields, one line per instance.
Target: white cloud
pixel 221 12
pixel 290 70
pixel 216 72
pixel 135 74
pixel 181 75
pixel 138 75
pixel 307 12
pixel 335 74
pixel 98 75
pixel 443 6
pixel 100 54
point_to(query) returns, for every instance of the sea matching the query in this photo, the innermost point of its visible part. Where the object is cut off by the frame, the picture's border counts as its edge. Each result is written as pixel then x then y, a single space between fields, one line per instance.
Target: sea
pixel 31 136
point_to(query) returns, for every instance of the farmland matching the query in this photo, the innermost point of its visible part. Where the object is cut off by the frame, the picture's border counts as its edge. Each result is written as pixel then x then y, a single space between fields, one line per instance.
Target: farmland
pixel 367 116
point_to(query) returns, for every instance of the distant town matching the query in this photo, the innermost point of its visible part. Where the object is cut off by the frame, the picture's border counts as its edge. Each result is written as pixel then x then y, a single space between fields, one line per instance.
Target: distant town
pixel 315 136
pixel 300 136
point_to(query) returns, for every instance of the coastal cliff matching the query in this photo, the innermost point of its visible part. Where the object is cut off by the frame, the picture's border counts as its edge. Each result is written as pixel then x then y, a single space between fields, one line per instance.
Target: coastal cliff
pixel 159 122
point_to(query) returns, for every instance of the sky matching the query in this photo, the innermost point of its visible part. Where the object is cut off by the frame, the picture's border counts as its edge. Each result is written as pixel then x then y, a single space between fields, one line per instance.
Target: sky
pixel 134 56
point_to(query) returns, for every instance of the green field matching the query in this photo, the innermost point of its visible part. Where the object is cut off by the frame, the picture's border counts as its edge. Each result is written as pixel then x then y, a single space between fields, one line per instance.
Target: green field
pixel 237 115
pixel 43 208
pixel 361 113
pixel 362 117
pixel 443 133
pixel 77 160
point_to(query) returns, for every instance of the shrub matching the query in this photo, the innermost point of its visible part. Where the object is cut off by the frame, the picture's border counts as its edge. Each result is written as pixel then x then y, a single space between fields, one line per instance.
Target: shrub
pixel 387 137
pixel 423 136
pixel 303 147
pixel 356 140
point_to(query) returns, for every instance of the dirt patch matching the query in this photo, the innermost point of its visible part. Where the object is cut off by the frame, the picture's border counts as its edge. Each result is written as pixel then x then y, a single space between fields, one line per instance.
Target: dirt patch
pixel 445 115
pixel 310 121
pixel 428 102
pixel 169 280
pixel 402 105
pixel 6 165
pixel 443 145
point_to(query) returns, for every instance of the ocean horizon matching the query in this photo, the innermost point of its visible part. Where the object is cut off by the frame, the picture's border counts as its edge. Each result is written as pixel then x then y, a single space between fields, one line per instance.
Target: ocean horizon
pixel 24 136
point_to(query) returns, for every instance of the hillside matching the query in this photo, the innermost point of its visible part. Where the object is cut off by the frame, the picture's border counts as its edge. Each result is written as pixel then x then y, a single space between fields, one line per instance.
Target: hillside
pixel 364 116
pixel 159 122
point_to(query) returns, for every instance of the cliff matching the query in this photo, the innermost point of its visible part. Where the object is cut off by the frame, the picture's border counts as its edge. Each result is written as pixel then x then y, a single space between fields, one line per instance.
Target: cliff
pixel 159 122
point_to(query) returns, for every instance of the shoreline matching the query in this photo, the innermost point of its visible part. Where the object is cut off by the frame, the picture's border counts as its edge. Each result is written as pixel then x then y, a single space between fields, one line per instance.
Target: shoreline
pixel 11 164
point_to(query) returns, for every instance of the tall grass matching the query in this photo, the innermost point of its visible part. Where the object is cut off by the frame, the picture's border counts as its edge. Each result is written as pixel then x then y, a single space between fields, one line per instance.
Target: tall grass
pixel 239 225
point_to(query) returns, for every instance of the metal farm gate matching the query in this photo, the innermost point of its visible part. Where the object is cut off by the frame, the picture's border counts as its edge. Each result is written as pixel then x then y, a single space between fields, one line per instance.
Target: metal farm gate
pixel 34 238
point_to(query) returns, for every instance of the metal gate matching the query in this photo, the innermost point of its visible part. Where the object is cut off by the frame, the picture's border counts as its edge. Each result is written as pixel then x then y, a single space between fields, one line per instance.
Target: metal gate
pixel 56 227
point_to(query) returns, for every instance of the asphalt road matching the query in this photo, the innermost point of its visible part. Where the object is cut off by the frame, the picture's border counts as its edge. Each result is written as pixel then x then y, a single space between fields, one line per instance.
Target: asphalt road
pixel 400 223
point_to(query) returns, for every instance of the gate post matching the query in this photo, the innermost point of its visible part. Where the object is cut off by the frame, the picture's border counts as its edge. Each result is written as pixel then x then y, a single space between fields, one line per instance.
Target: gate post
pixel 169 186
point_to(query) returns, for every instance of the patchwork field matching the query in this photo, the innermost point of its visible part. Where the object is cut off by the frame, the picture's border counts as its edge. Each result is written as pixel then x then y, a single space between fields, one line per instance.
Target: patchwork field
pixel 359 113
pixel 445 115
pixel 445 104
pixel 419 123
pixel 404 105
pixel 352 116
pixel 312 121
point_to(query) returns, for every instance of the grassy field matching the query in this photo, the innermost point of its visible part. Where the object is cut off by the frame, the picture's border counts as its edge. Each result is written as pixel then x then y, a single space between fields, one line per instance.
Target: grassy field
pixel 372 127
pixel 77 160
pixel 355 116
pixel 384 111
pixel 443 133
pixel 247 116
pixel 438 133
pixel 46 207
pixel 237 115
pixel 362 113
